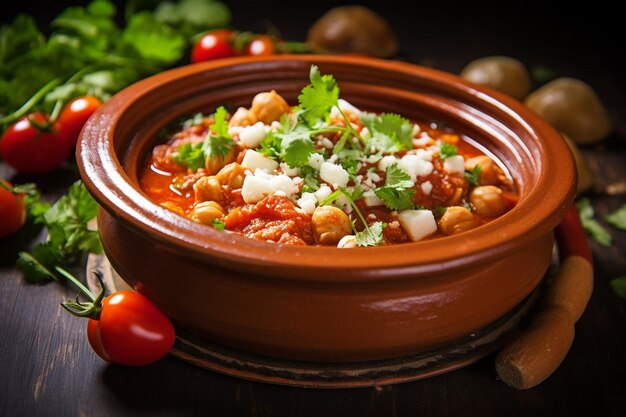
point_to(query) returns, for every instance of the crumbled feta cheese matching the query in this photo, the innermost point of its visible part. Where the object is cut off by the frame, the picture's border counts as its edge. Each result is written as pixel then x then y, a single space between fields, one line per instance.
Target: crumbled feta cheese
pixel 323 192
pixel 365 133
pixel 251 136
pixel 254 160
pixel 307 202
pixel 454 164
pixel 427 187
pixel 260 184
pixel 426 155
pixel 334 174
pixel 276 126
pixel 371 199
pixel 292 172
pixel 315 161
pixel 345 106
pixel 343 203
pixel 417 223
pixel 372 177
pixel 327 143
pixel 234 130
pixel 416 129
pixel 386 162
pixel 423 141
pixel 415 166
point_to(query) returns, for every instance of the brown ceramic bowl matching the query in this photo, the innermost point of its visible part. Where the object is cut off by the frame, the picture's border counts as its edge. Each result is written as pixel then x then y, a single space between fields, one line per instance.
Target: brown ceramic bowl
pixel 319 303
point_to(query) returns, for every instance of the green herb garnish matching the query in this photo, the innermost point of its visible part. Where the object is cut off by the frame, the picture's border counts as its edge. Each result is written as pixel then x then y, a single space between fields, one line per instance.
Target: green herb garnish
pixel 398 191
pixel 373 236
pixel 319 97
pixel 473 176
pixel 447 150
pixel 619 286
pixel 617 218
pixel 389 132
pixel 590 224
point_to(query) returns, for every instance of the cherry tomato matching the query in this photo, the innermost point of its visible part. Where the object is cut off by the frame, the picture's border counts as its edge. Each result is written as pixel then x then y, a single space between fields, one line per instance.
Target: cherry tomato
pixel 215 44
pixel 74 115
pixel 130 331
pixel 260 45
pixel 12 211
pixel 30 150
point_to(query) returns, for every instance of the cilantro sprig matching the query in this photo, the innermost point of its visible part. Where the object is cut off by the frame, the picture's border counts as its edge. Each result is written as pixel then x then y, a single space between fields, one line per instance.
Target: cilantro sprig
pixel 473 176
pixel 68 235
pixel 398 191
pixel 591 226
pixel 446 150
pixel 389 132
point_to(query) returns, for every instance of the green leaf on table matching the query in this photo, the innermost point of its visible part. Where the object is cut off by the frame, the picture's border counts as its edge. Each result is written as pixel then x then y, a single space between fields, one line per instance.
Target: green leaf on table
pixel 591 226
pixel 617 218
pixel 153 40
pixel 21 35
pixel 34 271
pixel 193 13
pixel 619 286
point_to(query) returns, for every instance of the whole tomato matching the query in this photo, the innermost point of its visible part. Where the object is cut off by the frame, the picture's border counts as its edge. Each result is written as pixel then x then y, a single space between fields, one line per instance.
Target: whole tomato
pixel 260 45
pixel 214 44
pixel 29 149
pixel 130 330
pixel 74 115
pixel 12 210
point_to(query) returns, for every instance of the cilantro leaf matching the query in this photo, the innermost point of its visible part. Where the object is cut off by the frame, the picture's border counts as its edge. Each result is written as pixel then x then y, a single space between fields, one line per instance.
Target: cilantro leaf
pixel 190 155
pixel 617 218
pixel 473 176
pixel 619 286
pixel 389 132
pixel 591 226
pixel 34 271
pixel 447 150
pixel 318 98
pixel 373 236
pixel 218 224
pixel 190 17
pixel 298 151
pixel 220 125
pixel 153 40
pixel 271 145
pixel 398 191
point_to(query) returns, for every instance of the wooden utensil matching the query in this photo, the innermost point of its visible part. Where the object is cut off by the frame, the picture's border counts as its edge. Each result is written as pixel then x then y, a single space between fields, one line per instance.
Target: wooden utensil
pixel 539 350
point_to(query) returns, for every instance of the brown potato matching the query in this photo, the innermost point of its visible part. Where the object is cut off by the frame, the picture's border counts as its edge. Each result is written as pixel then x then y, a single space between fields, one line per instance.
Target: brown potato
pixel 572 107
pixel 585 176
pixel 502 73
pixel 353 29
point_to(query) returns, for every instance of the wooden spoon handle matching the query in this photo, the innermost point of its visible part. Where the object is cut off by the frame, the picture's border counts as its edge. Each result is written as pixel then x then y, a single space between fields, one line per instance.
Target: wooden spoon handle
pixel 540 349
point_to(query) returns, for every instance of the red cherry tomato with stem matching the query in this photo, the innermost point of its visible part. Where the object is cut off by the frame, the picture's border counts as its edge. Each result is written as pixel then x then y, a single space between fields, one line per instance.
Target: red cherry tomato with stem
pixel 33 145
pixel 260 45
pixel 124 328
pixel 214 44
pixel 75 114
pixel 12 210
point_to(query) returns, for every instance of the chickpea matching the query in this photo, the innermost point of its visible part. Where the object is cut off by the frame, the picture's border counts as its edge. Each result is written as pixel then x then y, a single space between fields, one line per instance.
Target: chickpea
pixel 242 117
pixel 572 107
pixel 216 162
pixel 209 189
pixel 269 106
pixel 490 172
pixel 206 211
pixel 231 175
pixel 330 224
pixel 502 73
pixel 488 201
pixel 348 241
pixel 457 219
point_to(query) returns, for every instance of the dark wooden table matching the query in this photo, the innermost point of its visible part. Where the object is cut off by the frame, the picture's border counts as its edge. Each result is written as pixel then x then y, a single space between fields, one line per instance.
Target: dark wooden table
pixel 48 369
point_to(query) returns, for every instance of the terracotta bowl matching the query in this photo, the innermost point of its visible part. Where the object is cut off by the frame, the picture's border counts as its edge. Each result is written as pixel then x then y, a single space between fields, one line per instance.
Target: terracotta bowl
pixel 318 303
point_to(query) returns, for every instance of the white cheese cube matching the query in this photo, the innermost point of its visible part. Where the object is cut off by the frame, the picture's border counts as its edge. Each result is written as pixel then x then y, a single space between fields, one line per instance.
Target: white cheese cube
pixel 253 160
pixel 454 164
pixel 292 172
pixel 255 189
pixel 315 161
pixel 415 166
pixel 386 162
pixel 251 136
pixel 307 202
pixel 333 174
pixel 323 192
pixel 427 187
pixel 371 199
pixel 283 184
pixel 417 223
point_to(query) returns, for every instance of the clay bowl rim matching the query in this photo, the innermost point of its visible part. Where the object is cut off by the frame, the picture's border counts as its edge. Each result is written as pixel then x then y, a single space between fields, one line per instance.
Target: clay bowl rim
pixel 106 179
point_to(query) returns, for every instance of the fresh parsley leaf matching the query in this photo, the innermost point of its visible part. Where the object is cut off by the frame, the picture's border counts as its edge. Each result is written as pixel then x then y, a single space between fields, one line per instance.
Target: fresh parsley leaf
pixel 190 17
pixel 591 226
pixel 220 125
pixel 398 191
pixel 217 146
pixel 617 218
pixel 153 40
pixel 190 155
pixel 473 176
pixel 447 150
pixel 318 98
pixel 34 271
pixel 372 236
pixel 619 286
pixel 271 145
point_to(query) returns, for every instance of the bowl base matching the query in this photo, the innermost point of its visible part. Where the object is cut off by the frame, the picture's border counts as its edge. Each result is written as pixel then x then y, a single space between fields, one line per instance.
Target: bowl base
pixel 460 353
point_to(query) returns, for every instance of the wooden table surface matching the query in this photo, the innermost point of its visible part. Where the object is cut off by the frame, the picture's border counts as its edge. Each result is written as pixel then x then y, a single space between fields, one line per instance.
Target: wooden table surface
pixel 48 369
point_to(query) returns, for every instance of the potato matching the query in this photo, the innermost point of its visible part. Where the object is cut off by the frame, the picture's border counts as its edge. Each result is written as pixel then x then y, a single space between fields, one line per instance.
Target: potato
pixel 572 107
pixel 502 73
pixel 353 29
pixel 585 176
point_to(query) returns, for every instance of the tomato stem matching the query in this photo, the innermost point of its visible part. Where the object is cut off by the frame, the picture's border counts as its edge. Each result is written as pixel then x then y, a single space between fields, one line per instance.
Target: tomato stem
pixel 90 309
